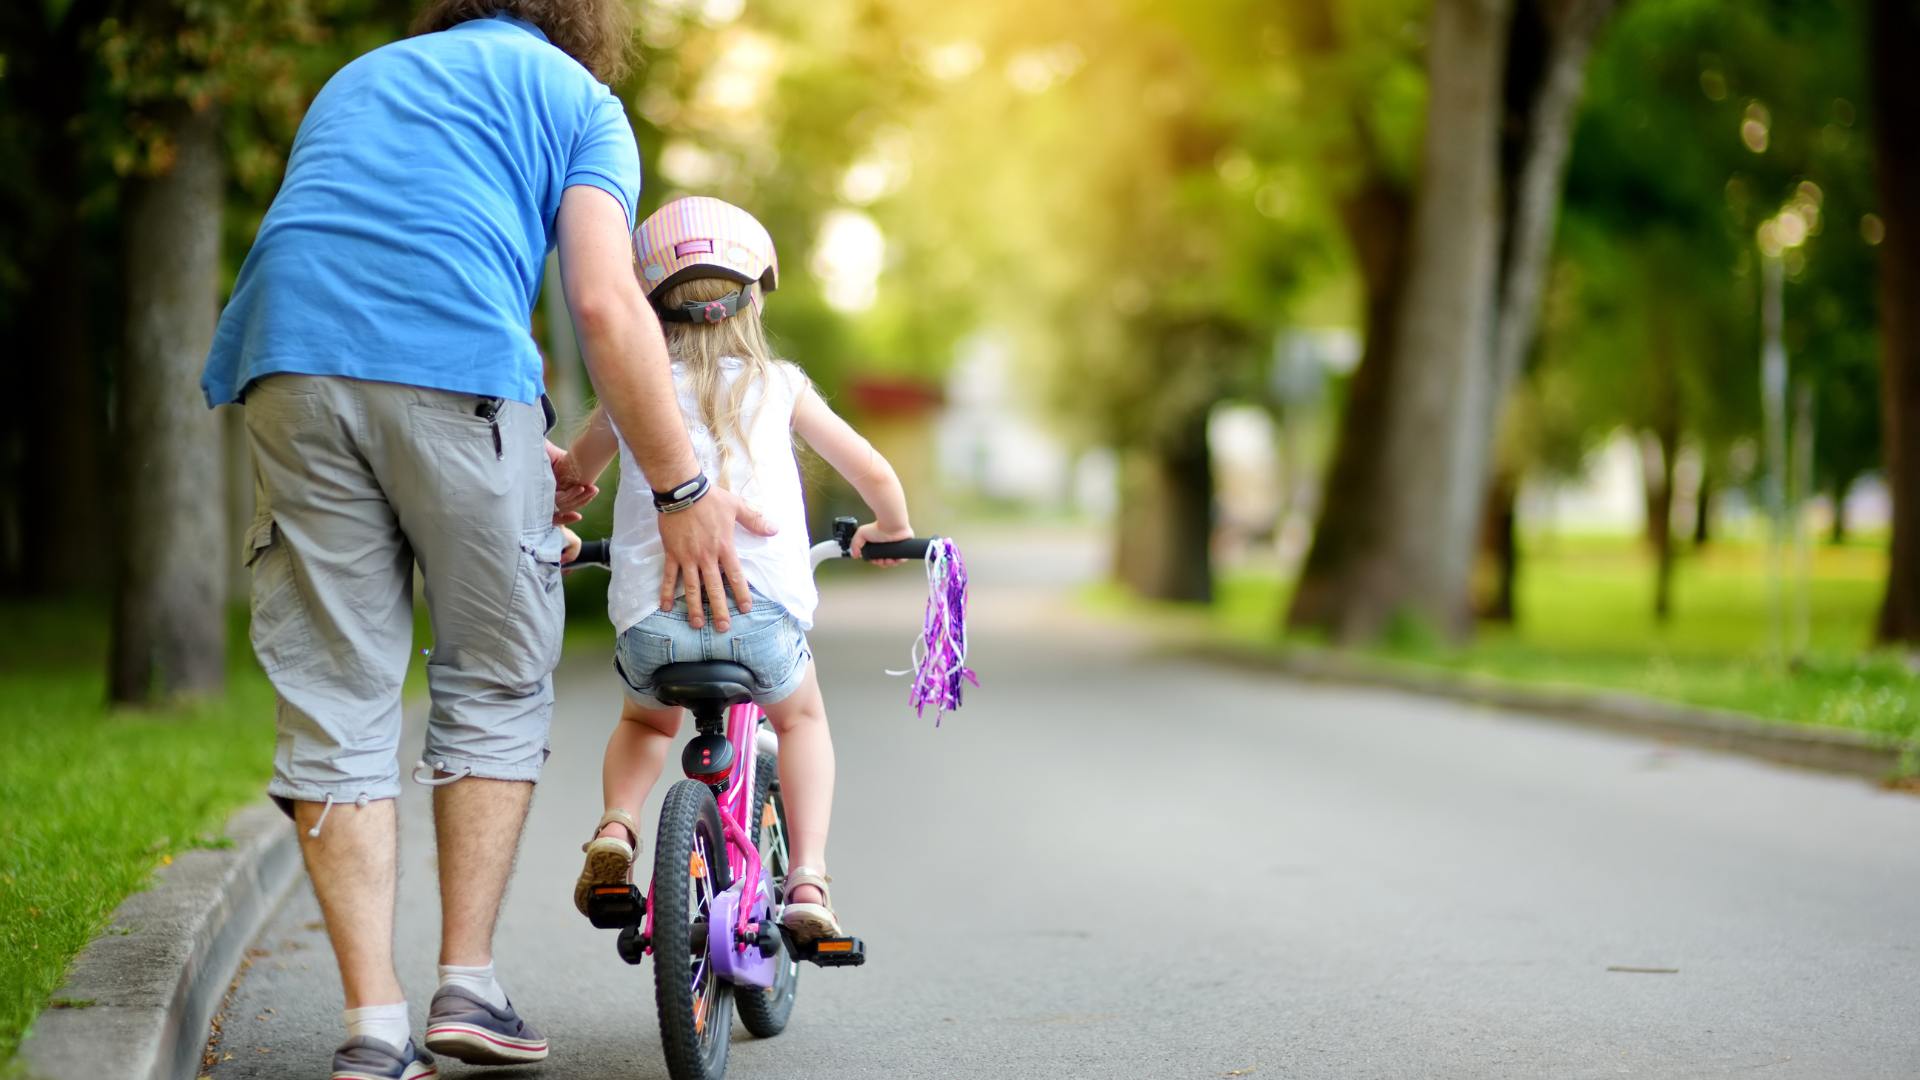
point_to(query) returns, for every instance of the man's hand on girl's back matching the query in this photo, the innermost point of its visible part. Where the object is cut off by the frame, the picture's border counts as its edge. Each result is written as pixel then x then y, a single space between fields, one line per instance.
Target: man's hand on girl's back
pixel 699 549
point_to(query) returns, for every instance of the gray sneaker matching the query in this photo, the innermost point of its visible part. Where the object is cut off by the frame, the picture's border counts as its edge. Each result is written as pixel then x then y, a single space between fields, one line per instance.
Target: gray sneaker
pixel 462 1026
pixel 364 1058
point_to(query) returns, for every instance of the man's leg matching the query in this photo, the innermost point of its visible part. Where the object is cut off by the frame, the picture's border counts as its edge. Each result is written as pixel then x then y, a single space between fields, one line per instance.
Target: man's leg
pixel 332 618
pixel 474 491
pixel 353 865
pixel 477 825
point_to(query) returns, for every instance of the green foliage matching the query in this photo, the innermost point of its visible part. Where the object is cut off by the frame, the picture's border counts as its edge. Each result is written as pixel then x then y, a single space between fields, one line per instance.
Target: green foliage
pixel 1704 120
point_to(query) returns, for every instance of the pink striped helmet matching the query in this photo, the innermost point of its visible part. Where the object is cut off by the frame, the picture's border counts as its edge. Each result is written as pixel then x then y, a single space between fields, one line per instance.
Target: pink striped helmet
pixel 702 237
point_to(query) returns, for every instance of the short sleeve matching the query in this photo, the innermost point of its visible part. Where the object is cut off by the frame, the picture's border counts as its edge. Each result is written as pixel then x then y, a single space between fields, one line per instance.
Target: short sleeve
pixel 607 157
pixel 797 381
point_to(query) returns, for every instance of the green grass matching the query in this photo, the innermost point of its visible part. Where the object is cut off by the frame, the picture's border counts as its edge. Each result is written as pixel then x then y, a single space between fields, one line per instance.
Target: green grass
pixel 1586 619
pixel 94 800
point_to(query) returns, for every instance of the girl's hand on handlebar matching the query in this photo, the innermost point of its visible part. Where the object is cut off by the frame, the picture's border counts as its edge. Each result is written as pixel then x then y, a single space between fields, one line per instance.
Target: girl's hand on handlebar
pixel 572 550
pixel 872 533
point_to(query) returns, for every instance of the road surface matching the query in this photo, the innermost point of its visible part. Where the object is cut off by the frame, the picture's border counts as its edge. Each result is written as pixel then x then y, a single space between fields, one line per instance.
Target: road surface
pixel 1117 864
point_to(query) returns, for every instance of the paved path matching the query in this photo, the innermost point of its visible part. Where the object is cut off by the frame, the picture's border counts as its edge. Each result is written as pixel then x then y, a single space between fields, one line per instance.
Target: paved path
pixel 1114 865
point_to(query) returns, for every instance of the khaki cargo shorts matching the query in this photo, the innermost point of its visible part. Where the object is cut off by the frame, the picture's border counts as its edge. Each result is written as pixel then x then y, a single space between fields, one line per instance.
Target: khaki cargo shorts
pixel 358 482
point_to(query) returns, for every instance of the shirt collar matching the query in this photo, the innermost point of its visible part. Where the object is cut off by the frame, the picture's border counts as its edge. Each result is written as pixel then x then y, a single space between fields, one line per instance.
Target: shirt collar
pixel 522 24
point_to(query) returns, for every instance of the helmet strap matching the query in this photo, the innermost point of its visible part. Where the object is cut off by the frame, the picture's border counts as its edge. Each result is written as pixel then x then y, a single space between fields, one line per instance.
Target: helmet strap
pixel 707 311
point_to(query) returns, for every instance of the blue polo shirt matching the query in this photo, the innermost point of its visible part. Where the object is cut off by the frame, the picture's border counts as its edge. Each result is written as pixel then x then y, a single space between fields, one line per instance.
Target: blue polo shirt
pixel 408 240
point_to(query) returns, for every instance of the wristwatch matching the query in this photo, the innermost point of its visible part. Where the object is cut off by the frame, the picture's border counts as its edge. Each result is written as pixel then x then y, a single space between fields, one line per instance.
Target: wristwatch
pixel 680 496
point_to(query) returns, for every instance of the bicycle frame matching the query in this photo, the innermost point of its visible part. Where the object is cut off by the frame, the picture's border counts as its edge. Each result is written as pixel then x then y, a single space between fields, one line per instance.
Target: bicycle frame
pixel 736 956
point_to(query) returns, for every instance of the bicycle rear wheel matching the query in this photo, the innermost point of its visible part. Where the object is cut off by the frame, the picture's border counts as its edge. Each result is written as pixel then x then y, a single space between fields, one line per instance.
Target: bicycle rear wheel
pixel 765 1012
pixel 689 871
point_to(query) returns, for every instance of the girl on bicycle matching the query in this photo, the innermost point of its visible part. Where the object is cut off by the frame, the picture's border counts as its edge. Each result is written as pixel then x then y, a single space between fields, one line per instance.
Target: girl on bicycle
pixel 706 267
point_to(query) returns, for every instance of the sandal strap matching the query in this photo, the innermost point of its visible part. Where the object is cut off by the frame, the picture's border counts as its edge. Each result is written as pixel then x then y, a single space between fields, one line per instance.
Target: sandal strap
pixel 619 817
pixel 807 875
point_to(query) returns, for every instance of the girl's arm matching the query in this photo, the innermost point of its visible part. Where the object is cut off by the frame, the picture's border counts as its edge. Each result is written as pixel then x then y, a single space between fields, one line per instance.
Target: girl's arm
pixel 594 448
pixel 576 471
pixel 853 457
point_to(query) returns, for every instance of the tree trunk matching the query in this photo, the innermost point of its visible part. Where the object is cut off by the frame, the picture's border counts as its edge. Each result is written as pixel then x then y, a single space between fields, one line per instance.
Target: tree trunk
pixel 1435 444
pixel 1500 544
pixel 1842 487
pixel 1894 37
pixel 1166 518
pixel 1547 52
pixel 1375 218
pixel 1703 507
pixel 169 630
pixel 1658 451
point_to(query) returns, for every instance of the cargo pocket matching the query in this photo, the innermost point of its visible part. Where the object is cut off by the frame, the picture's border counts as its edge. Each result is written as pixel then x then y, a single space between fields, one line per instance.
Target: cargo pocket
pixel 536 618
pixel 771 652
pixel 278 623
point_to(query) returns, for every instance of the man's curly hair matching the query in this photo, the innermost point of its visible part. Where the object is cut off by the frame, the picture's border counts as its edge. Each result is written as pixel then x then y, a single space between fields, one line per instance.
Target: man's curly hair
pixel 598 33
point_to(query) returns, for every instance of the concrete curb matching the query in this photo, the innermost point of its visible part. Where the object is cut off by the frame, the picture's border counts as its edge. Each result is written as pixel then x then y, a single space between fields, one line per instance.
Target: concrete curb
pixel 1826 749
pixel 144 992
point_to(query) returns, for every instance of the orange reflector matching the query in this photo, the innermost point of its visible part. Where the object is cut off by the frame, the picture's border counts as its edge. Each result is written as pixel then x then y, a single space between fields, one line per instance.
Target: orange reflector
pixel 610 890
pixel 696 866
pixel 766 816
pixel 834 946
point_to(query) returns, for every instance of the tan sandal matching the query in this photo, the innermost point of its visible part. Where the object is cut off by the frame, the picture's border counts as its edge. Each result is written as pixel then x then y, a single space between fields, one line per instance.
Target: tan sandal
pixel 809 922
pixel 609 858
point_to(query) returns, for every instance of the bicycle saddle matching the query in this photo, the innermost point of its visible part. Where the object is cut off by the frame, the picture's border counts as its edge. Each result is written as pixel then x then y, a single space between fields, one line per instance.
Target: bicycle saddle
pixel 701 682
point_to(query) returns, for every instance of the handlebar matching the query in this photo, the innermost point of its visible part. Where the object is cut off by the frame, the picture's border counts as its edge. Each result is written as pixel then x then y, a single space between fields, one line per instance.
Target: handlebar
pixel 594 553
pixel 915 549
pixel 600 552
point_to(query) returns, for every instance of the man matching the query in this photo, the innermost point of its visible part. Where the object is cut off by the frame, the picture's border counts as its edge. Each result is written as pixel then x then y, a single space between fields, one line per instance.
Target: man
pixel 378 336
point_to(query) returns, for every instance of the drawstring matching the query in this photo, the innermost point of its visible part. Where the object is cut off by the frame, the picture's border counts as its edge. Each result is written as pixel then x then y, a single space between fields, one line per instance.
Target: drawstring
pixel 326 809
pixel 438 781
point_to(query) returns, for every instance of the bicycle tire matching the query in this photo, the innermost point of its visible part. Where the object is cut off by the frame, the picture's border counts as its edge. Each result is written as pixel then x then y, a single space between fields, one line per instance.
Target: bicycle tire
pixel 689 870
pixel 764 1013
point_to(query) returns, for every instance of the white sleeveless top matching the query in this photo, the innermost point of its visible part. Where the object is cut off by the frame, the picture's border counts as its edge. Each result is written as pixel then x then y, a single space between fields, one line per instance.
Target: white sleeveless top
pixel 762 470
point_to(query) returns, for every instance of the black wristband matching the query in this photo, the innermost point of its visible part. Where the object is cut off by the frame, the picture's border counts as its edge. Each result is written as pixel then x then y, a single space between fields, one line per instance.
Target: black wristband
pixel 681 496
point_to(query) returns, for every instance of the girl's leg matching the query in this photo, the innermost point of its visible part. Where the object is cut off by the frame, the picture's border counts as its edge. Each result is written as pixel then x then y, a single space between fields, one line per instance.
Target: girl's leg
pixel 636 754
pixel 806 777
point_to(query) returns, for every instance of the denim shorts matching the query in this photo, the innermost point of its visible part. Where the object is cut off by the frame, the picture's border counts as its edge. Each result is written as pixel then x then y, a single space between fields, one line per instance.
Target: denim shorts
pixel 766 641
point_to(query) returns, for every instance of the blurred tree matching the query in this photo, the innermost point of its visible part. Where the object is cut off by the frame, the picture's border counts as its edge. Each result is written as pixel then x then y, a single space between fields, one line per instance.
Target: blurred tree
pixel 170 67
pixel 1364 67
pixel 1894 35
pixel 52 467
pixel 1548 45
pixel 1414 558
pixel 1707 122
pixel 1385 548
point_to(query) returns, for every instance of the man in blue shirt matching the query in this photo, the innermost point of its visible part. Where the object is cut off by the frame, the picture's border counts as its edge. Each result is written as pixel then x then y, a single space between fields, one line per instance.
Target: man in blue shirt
pixel 378 335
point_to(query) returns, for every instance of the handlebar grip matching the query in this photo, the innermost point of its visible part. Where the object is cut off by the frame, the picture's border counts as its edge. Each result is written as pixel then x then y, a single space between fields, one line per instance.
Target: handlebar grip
pixel 594 553
pixel 915 548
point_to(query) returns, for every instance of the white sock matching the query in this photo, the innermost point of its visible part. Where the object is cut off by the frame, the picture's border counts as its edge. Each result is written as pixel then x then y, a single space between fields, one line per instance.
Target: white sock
pixel 477 980
pixel 388 1023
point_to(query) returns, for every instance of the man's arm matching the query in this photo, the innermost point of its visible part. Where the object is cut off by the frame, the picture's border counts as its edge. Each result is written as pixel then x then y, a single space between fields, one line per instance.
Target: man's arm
pixel 626 358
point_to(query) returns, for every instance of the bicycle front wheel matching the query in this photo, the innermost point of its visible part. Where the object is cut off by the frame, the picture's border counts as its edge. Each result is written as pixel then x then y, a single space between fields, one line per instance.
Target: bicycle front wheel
pixel 689 871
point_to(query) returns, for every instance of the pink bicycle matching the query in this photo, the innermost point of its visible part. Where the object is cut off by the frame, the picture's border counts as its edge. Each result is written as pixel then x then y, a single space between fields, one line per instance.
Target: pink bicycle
pixel 710 916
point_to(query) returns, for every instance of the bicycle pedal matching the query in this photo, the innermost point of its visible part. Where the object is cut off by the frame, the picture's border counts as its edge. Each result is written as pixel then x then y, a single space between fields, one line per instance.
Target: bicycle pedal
pixel 616 907
pixel 835 952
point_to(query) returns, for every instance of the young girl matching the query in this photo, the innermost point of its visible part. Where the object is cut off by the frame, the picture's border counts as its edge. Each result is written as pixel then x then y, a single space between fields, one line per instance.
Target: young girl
pixel 706 266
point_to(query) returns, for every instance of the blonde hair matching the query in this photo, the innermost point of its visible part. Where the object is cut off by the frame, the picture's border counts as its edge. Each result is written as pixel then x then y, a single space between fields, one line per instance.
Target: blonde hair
pixel 702 347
